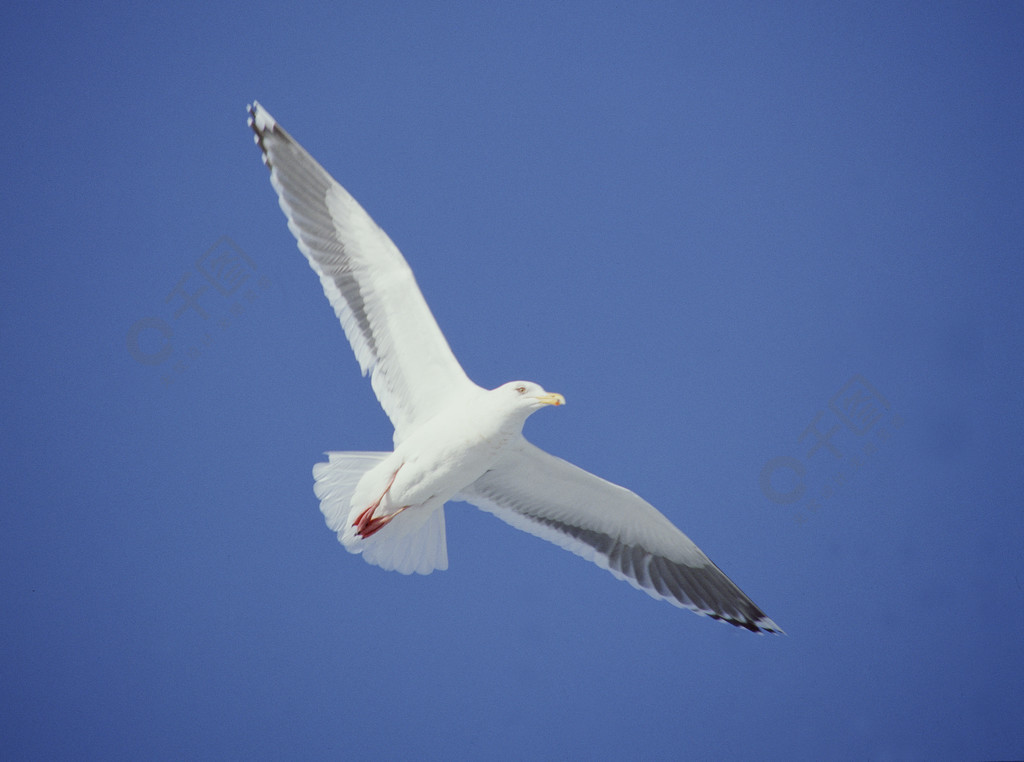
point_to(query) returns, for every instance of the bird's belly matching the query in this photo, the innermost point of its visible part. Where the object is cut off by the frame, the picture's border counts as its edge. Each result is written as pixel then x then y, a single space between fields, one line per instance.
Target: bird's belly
pixel 437 475
pixel 437 462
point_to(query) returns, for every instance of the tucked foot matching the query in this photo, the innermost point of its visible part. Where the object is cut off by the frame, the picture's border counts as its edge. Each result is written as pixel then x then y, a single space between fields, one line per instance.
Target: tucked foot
pixel 367 524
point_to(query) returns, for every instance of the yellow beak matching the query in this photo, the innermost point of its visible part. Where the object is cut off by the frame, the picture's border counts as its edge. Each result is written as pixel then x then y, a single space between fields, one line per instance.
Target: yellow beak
pixel 551 399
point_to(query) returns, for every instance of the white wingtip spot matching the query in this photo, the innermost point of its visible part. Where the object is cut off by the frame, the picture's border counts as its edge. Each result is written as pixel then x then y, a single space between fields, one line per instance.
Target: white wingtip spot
pixel 259 119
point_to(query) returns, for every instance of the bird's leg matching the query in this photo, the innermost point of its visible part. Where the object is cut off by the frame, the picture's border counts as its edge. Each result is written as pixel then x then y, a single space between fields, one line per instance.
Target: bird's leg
pixel 366 523
pixel 374 524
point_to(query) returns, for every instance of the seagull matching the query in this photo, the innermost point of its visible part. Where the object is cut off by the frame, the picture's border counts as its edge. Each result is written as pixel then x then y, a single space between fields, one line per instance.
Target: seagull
pixel 455 440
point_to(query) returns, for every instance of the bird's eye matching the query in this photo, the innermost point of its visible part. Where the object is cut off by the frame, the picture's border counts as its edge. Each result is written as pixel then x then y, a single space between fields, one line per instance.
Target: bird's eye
pixel 521 389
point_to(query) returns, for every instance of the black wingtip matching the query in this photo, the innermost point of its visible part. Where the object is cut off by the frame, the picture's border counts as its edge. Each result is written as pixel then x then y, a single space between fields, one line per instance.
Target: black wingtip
pixel 761 626
pixel 260 130
pixel 753 619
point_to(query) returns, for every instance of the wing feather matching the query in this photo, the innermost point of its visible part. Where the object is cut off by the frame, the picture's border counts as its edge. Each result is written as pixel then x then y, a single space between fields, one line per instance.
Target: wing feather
pixel 369 284
pixel 613 527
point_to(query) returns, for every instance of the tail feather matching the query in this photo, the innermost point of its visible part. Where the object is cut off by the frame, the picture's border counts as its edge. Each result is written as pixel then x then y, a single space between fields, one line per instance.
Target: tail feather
pixel 413 542
pixel 337 480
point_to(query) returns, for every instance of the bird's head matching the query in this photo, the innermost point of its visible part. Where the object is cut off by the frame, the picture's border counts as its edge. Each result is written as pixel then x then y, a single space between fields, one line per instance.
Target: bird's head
pixel 526 396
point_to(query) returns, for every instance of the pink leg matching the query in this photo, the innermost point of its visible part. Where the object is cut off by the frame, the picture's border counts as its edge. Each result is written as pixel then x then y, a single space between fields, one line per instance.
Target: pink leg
pixel 374 524
pixel 366 523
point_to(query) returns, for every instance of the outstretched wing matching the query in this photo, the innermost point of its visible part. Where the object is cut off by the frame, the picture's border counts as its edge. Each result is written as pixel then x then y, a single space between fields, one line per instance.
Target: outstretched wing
pixel 613 527
pixel 366 279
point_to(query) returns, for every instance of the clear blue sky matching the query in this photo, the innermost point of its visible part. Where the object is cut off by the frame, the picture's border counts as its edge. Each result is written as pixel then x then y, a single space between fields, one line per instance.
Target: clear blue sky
pixel 725 232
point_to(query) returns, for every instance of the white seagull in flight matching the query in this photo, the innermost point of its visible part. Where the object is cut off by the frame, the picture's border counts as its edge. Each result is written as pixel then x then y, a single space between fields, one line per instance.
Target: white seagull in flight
pixel 455 440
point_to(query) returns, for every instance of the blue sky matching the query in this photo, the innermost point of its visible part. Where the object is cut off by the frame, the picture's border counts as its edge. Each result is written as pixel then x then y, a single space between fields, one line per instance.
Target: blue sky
pixel 710 227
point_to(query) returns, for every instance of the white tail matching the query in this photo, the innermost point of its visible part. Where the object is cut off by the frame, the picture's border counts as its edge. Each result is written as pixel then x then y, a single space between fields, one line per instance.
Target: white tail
pixel 413 542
